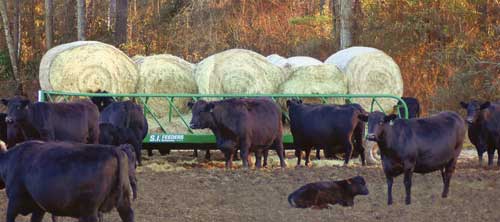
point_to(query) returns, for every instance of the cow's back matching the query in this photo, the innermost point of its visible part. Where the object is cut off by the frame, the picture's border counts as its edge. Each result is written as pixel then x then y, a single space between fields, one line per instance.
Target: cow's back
pixel 65 178
pixel 126 114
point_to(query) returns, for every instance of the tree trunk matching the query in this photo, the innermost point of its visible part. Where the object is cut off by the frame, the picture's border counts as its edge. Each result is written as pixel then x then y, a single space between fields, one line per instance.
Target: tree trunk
pixel 48 24
pixel 69 21
pixel 81 19
pixel 336 22
pixel 111 14
pixel 482 9
pixel 121 22
pixel 345 23
pixel 32 31
pixel 16 29
pixel 10 42
pixel 357 22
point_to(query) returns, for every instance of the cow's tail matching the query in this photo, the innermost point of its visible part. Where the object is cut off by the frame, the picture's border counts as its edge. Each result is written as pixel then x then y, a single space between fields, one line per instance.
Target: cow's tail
pixel 122 183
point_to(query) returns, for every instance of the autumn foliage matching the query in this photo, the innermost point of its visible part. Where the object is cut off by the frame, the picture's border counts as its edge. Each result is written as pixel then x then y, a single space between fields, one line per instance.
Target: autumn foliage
pixel 448 51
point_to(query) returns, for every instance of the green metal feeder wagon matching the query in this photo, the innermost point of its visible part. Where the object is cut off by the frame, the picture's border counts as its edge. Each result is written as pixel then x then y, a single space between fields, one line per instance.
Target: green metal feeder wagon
pixel 168 139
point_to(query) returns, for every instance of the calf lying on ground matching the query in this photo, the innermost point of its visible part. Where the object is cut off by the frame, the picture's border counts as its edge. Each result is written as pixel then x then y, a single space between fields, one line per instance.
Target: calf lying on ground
pixel 420 145
pixel 318 195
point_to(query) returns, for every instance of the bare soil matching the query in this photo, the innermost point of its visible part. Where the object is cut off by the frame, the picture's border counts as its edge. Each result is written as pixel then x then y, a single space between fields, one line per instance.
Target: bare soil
pixel 179 187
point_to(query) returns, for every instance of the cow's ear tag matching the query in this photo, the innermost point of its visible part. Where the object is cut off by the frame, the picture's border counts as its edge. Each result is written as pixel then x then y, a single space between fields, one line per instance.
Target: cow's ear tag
pixel 391 123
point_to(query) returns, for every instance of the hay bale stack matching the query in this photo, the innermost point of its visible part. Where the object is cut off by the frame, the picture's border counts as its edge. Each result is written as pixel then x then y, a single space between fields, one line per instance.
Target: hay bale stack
pixel 317 79
pixel 369 71
pixel 166 74
pixel 86 66
pixel 237 71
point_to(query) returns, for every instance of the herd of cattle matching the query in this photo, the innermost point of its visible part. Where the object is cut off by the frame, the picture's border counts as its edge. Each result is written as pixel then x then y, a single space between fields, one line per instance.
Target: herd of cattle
pixel 78 159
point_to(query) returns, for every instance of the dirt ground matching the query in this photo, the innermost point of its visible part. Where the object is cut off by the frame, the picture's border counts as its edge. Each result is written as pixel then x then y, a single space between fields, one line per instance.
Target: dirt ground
pixel 179 187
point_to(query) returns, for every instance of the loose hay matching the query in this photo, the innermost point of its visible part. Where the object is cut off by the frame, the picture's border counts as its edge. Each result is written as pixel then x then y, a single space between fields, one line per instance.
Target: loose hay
pixel 166 74
pixel 369 71
pixel 237 71
pixel 85 66
pixel 316 79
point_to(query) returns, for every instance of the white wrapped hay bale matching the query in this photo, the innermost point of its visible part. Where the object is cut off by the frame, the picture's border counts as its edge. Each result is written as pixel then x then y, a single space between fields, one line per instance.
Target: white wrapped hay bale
pixel 237 71
pixel 369 71
pixel 137 59
pixel 166 74
pixel 301 61
pixel 275 59
pixel 86 66
pixel 317 79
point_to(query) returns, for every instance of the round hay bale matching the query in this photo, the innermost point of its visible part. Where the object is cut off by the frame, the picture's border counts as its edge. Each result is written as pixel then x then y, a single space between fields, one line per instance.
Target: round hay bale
pixel 301 61
pixel 166 74
pixel 87 66
pixel 137 59
pixel 369 71
pixel 316 79
pixel 237 71
pixel 275 59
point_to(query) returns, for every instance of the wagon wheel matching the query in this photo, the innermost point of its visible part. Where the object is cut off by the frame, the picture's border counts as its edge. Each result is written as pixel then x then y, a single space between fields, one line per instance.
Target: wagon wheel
pixel 372 153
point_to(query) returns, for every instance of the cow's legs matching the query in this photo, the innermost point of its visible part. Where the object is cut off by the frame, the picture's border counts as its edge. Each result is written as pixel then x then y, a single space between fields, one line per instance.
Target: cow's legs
pixel 228 154
pixel 258 160
pixel 449 169
pixel 389 180
pixel 347 151
pixel 480 156
pixel 244 149
pixel 407 182
pixel 280 150
pixel 54 218
pixel 12 211
pixel 298 154
pixel 125 211
pixel 207 154
pixel 265 154
pixel 92 218
pixel 491 154
pixel 37 216
pixel 308 154
pixel 318 153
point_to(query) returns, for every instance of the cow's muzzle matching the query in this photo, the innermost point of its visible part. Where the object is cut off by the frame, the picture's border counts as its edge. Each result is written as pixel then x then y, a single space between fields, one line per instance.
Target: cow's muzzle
pixel 9 120
pixel 371 137
pixel 194 126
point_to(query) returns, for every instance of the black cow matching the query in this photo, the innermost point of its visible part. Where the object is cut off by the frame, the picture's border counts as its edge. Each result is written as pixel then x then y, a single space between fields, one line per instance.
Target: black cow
pixel 484 128
pixel 328 126
pixel 420 145
pixel 413 106
pixel 3 127
pixel 74 121
pixel 102 101
pixel 318 195
pixel 247 124
pixel 66 179
pixel 130 125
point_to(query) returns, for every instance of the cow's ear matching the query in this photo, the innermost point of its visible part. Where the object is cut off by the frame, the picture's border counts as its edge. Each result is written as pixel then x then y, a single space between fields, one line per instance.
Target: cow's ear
pixel 5 102
pixel 190 104
pixel 485 105
pixel 25 102
pixel 209 107
pixel 390 117
pixel 464 105
pixel 363 117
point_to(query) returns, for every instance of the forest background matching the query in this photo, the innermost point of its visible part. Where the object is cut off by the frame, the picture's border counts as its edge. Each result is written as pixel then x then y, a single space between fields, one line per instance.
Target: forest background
pixel 448 51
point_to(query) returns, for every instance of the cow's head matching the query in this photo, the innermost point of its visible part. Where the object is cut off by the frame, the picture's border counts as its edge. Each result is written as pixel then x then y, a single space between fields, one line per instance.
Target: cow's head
pixel 293 102
pixel 202 114
pixel 474 109
pixel 17 109
pixel 377 121
pixel 357 185
pixel 101 101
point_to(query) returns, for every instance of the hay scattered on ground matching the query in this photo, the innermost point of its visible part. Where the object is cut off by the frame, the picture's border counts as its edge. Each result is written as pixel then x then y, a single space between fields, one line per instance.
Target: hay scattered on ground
pixel 237 71
pixel 369 71
pixel 166 74
pixel 85 66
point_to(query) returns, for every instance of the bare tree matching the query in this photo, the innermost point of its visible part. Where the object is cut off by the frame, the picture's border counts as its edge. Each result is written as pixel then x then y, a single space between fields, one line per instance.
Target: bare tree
pixel 335 6
pixel 69 23
pixel 121 21
pixel 111 14
pixel 345 23
pixel 10 42
pixel 16 29
pixel 81 27
pixel 48 23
